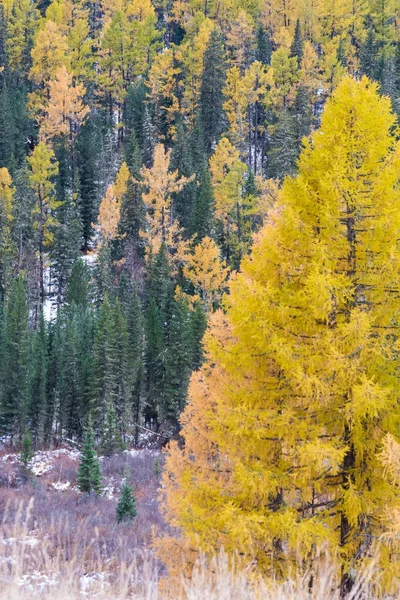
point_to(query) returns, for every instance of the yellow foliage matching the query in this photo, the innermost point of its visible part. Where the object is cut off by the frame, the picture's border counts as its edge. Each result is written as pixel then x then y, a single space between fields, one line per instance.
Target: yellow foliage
pixel 43 169
pixel 161 225
pixel 110 207
pixel 292 429
pixel 65 110
pixel 207 272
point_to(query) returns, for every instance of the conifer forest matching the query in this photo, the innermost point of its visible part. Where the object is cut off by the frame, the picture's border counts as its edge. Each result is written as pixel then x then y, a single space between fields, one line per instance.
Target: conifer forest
pixel 199 299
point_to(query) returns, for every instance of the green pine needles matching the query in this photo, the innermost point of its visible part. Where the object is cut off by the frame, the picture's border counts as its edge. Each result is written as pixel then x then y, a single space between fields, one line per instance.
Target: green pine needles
pixel 126 507
pixel 89 475
pixel 27 452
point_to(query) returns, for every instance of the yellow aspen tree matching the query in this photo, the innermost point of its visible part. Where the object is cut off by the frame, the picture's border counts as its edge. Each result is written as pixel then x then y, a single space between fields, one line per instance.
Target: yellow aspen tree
pixel 6 219
pixel 287 421
pixel 65 110
pixel 110 207
pixel 206 271
pixel 161 225
pixel 43 169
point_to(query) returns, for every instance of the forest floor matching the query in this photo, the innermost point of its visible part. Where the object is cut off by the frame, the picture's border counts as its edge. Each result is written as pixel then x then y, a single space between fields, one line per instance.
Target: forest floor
pixel 49 530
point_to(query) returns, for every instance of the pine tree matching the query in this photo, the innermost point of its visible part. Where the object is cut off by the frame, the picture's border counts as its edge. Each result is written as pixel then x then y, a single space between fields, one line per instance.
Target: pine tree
pixel 286 422
pixel 369 55
pixel 211 94
pixel 38 381
pixel 111 441
pixel 284 147
pixel 126 507
pixel 87 145
pixel 296 49
pixel 89 475
pixel 264 46
pixel 13 407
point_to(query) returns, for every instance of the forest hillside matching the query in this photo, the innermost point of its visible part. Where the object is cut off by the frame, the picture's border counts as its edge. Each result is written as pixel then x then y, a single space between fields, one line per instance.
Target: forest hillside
pixel 199 303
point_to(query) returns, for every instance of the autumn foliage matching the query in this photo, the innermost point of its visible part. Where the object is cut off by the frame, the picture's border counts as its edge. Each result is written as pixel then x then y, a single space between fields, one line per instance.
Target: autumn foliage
pixel 295 413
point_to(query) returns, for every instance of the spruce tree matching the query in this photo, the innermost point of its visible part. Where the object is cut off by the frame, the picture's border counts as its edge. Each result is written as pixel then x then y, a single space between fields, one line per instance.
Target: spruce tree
pixel 200 223
pixel 369 55
pixel 264 46
pixel 13 407
pixel 284 147
pixel 135 331
pixel 89 475
pixel 296 49
pixel 211 93
pixel 126 507
pixel 111 440
pixel 27 452
pixel 38 380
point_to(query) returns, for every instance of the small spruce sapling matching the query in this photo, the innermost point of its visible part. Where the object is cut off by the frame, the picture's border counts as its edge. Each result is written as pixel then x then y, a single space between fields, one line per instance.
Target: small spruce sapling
pixel 27 452
pixel 157 468
pixel 126 507
pixel 89 476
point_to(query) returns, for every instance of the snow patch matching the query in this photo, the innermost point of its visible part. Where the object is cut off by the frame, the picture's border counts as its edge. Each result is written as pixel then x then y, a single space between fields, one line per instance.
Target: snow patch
pixel 37 582
pixel 61 486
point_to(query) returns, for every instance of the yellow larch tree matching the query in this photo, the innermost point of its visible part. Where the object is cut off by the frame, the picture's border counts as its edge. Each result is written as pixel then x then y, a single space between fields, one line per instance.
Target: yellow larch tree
pixel 206 271
pixel 241 40
pixel 49 54
pixel 227 172
pixel 243 95
pixel 6 219
pixel 65 110
pixel 163 84
pixel 22 24
pixel 110 207
pixel 191 55
pixel 43 169
pixel 162 226
pixel 287 424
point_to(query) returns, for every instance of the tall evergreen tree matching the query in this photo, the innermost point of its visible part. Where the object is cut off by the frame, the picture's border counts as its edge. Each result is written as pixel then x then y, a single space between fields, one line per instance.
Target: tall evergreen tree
pixel 13 407
pixel 296 49
pixel 264 46
pixel 38 368
pixel 211 94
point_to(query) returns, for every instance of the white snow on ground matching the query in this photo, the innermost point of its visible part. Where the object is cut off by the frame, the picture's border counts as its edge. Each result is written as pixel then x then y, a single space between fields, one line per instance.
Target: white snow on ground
pixel 92 584
pixel 37 582
pixel 61 486
pixel 26 540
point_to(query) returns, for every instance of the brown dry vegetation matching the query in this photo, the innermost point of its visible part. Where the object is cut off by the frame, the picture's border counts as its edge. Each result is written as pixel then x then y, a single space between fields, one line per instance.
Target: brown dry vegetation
pixel 57 544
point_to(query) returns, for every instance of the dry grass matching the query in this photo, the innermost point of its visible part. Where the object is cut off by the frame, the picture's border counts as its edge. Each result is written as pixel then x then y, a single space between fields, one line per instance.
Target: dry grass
pixel 56 544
